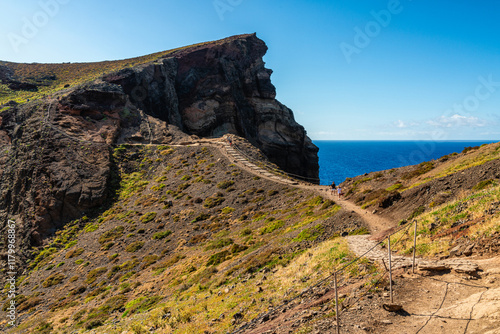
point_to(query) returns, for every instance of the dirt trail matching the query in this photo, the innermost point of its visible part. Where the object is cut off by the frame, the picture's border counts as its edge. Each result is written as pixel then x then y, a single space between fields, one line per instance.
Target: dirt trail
pixel 376 224
pixel 447 303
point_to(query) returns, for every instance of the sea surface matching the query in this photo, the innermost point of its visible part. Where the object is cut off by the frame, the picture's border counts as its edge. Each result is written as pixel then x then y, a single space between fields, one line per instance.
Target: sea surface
pixel 341 159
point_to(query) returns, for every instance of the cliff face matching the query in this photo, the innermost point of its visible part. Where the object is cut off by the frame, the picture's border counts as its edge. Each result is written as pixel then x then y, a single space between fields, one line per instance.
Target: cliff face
pixel 222 87
pixel 56 158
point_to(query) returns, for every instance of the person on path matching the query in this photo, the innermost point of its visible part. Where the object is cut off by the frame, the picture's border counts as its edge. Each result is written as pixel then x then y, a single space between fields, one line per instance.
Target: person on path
pixel 333 186
pixel 339 191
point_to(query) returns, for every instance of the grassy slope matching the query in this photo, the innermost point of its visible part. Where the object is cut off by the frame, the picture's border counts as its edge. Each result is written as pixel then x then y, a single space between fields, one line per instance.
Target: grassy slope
pixel 451 218
pixel 473 216
pixel 185 246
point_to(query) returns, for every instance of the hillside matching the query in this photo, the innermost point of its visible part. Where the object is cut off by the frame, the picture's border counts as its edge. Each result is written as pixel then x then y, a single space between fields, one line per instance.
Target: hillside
pixel 194 242
pixel 56 159
pixel 169 194
pixel 187 225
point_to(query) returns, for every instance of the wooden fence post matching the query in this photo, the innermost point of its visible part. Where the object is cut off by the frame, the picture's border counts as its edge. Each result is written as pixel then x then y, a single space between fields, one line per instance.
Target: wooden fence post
pixel 337 305
pixel 414 246
pixel 390 269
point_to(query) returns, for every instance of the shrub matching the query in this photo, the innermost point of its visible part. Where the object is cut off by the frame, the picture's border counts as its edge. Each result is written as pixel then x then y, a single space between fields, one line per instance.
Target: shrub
pixel 310 234
pixel 221 243
pixel 146 218
pixel 53 279
pixel 108 246
pixel 237 248
pixel 394 187
pixel 327 204
pixel 218 258
pixel 134 247
pixel 483 184
pixel 225 184
pixel 423 168
pixel 272 226
pixel 94 273
pixel 360 231
pixel 141 304
pixel 162 235
pixel 470 148
pixel 44 328
pixel 214 201
pixel 389 199
pixel 111 234
pixel 201 217
pixel 74 253
pixel 228 210
pixel 417 212
pixel 149 260
pixel 246 232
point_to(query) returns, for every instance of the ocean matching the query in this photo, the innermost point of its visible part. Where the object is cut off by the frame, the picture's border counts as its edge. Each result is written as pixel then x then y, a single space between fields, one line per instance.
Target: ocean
pixel 341 159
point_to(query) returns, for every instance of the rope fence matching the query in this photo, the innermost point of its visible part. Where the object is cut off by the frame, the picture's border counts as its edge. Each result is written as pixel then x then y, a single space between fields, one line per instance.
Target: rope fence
pixel 339 279
pixel 333 277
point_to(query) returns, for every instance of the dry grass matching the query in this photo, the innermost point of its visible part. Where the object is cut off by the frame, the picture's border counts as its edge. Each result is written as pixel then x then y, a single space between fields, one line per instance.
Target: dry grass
pixel 434 228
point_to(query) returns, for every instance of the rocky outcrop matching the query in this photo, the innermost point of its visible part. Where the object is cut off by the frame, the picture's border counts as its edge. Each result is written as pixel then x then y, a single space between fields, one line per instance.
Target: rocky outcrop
pixel 56 161
pixel 222 87
pixel 47 178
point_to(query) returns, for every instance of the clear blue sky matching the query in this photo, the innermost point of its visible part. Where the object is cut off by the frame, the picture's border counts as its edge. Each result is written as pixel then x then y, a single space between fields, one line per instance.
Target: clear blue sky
pixel 429 71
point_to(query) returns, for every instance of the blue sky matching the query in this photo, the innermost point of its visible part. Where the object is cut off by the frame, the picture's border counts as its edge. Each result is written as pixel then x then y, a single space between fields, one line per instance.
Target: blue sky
pixel 350 69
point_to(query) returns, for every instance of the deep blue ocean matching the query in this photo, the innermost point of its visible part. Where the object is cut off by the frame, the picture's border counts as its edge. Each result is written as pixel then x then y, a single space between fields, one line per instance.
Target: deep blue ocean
pixel 341 159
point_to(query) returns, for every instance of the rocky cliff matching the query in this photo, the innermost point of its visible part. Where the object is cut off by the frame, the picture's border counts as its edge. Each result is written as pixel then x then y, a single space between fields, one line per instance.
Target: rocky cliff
pixel 222 87
pixel 56 159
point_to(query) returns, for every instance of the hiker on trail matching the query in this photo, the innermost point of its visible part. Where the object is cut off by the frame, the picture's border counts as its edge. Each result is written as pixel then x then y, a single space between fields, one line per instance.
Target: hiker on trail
pixel 230 141
pixel 333 186
pixel 339 191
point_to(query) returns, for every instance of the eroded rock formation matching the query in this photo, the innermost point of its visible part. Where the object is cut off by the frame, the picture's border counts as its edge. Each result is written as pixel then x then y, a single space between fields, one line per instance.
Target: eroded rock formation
pixel 56 160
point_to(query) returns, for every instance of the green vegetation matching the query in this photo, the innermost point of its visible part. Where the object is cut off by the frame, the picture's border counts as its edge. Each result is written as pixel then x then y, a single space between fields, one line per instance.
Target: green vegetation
pixel 132 184
pixel 94 273
pixel 53 279
pixel 161 235
pixel 272 226
pixel 225 184
pixel 74 253
pixel 394 187
pixel 201 217
pixel 111 235
pixel 221 243
pixel 218 258
pixel 484 184
pixel 146 218
pixel 141 304
pixel 135 246
pixel 310 234
pixel 214 201
pixel 464 216
pixel 420 169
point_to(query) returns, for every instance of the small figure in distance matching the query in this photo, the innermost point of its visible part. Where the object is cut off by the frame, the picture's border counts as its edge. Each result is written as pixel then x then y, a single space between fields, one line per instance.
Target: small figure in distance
pixel 333 186
pixel 339 191
pixel 230 141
